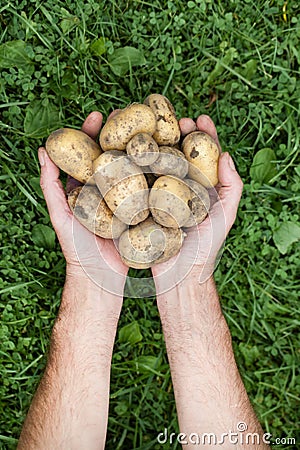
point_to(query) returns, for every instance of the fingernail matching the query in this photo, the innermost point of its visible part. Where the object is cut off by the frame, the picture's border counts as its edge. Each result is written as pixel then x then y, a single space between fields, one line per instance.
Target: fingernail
pixel 41 156
pixel 230 162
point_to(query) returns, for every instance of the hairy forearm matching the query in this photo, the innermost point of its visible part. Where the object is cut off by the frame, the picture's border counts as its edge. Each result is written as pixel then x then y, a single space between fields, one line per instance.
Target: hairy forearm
pixel 210 395
pixel 70 407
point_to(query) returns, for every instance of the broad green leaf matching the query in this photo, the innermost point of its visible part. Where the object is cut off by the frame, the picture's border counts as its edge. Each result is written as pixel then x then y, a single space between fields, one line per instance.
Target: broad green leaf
pixel 43 236
pixel 40 120
pixel 35 184
pixel 249 69
pixel 13 54
pixel 130 333
pixel 286 235
pixel 263 166
pixel 68 24
pixel 148 363
pixel 226 60
pixel 98 47
pixel 123 59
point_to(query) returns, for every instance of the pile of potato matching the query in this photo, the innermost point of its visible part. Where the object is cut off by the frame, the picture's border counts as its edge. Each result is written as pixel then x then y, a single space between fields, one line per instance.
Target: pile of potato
pixel 141 185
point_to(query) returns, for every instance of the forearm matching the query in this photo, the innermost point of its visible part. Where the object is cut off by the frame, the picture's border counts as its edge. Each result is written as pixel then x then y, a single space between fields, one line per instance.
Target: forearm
pixel 210 395
pixel 70 407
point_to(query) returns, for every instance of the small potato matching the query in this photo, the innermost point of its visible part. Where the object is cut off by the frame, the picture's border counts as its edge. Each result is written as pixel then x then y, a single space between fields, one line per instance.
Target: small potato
pixel 170 161
pixel 169 201
pixel 73 151
pixel 149 243
pixel 199 204
pixel 143 149
pixel 203 155
pixel 167 128
pixel 90 209
pixel 123 186
pixel 120 128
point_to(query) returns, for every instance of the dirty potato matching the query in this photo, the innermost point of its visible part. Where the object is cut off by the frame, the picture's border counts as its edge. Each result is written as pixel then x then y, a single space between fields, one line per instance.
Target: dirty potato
pixel 149 243
pixel 143 149
pixel 73 151
pixel 119 129
pixel 199 203
pixel 123 186
pixel 203 155
pixel 167 128
pixel 170 161
pixel 169 201
pixel 90 209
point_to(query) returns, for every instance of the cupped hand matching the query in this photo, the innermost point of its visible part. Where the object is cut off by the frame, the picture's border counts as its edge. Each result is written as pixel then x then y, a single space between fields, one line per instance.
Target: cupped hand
pixel 86 254
pixel 202 244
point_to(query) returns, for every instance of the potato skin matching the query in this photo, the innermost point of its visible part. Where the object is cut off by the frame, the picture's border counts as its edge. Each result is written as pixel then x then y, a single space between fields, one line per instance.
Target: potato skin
pixel 169 201
pixel 117 132
pixel 73 151
pixel 170 161
pixel 90 209
pixel 167 128
pixel 199 203
pixel 143 149
pixel 123 186
pixel 149 243
pixel 203 155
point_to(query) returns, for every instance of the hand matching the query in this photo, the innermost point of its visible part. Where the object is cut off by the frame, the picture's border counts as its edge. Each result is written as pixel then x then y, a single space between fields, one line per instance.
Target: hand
pixel 87 255
pixel 203 242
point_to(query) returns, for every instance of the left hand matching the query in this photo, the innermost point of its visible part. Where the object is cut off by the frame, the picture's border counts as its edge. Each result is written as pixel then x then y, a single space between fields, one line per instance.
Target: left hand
pixel 86 254
pixel 201 247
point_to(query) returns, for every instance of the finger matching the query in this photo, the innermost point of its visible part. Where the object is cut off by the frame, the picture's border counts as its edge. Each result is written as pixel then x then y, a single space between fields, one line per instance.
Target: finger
pixel 52 189
pixel 230 191
pixel 187 126
pixel 92 124
pixel 114 113
pixel 205 124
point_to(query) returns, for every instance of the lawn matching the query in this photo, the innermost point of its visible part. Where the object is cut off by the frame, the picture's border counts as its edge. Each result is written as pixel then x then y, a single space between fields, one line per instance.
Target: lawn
pixel 237 61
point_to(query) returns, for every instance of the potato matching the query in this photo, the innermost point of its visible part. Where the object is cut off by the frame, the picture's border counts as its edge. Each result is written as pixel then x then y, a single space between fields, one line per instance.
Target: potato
pixel 203 154
pixel 169 201
pixel 170 161
pixel 90 209
pixel 118 130
pixel 199 203
pixel 123 186
pixel 149 243
pixel 167 128
pixel 73 151
pixel 143 149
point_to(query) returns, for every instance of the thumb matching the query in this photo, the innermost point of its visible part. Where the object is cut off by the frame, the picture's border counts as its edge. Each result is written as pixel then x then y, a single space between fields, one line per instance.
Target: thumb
pixel 231 187
pixel 53 190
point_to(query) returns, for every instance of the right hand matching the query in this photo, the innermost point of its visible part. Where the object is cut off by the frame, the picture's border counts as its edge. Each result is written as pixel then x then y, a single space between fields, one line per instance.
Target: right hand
pixel 87 255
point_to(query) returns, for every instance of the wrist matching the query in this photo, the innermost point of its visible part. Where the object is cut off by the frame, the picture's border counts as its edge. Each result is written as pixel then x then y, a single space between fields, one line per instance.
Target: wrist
pixel 87 314
pixel 81 294
pixel 190 304
pixel 175 277
pixel 97 280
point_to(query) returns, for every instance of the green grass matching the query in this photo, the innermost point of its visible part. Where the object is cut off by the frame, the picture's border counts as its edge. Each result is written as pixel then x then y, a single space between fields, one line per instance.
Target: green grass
pixel 61 60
